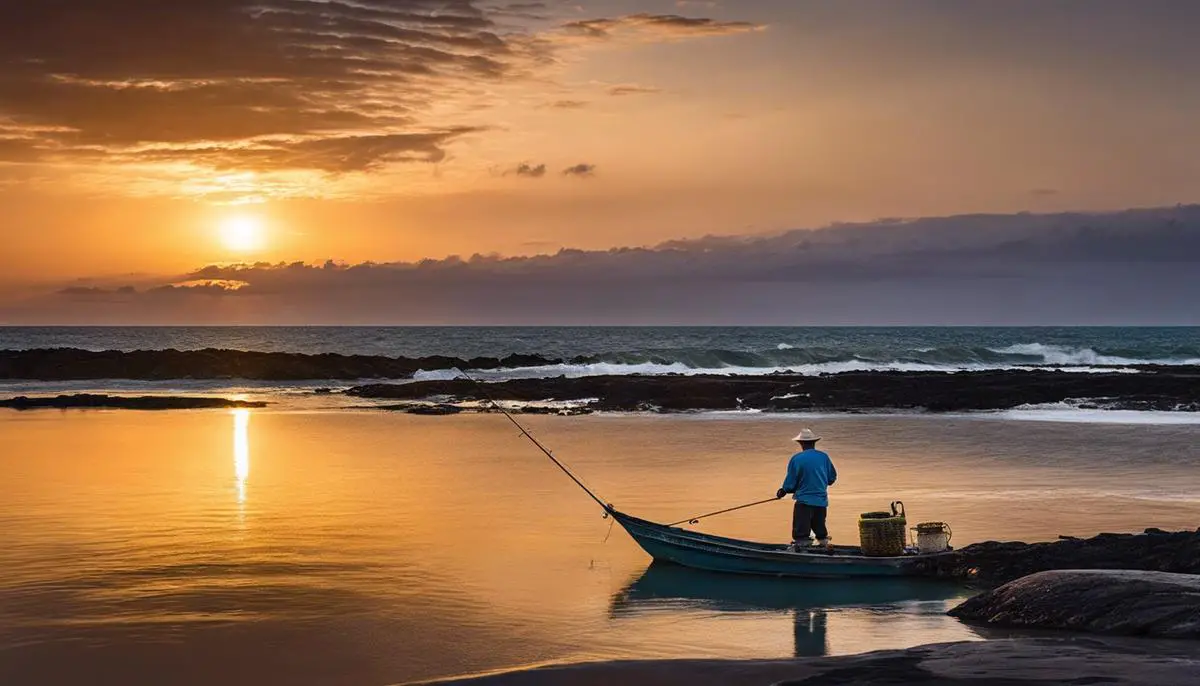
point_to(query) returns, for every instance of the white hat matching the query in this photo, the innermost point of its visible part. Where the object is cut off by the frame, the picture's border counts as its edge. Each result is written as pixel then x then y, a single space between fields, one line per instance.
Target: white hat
pixel 805 436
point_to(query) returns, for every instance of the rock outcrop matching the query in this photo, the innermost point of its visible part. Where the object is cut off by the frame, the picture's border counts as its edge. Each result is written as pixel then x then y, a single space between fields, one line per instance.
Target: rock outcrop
pixel 115 402
pixel 1163 389
pixel 61 364
pixel 991 564
pixel 1136 603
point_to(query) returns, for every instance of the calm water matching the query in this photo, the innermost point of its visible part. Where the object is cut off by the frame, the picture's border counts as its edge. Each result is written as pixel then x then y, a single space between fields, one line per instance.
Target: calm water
pixel 362 548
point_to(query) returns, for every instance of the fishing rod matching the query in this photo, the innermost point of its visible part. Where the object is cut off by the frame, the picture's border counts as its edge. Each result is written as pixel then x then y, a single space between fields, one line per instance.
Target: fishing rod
pixel 486 396
pixel 608 508
pixel 696 519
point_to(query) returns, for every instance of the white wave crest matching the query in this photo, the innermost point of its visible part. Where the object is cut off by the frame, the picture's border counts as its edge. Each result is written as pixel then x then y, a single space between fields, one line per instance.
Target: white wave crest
pixel 1071 413
pixel 1059 354
pixel 437 375
pixel 574 371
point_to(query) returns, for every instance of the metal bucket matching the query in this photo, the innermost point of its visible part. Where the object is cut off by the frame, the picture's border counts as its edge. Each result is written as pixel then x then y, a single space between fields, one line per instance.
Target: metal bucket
pixel 933 537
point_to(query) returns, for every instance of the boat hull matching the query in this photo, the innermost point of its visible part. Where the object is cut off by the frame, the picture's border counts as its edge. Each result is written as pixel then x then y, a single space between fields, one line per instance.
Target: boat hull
pixel 719 554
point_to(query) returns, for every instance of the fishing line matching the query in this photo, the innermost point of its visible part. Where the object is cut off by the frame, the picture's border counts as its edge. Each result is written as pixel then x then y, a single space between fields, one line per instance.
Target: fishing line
pixel 487 396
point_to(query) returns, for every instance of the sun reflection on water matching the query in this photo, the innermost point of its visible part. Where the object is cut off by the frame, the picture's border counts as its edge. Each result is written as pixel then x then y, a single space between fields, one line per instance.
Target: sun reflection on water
pixel 241 450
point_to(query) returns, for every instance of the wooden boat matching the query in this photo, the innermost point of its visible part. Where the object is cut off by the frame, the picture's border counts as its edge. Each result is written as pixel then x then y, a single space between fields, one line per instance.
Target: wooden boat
pixel 719 554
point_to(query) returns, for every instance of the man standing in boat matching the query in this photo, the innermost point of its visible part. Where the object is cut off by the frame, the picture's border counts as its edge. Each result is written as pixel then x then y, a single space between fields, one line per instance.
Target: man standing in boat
pixel 810 473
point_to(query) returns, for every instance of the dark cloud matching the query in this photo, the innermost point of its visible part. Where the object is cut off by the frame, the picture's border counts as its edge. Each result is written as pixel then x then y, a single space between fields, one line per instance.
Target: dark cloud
pixel 98 295
pixel 214 287
pixel 530 171
pixel 580 170
pixel 569 104
pixel 190 286
pixel 265 85
pixel 334 154
pixel 1137 266
pixel 666 25
pixel 537 11
pixel 632 89
pixel 258 84
pixel 524 6
pixel 96 291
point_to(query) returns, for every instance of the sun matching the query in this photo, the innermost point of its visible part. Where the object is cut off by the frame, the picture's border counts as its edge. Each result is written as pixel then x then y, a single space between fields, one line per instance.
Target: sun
pixel 242 233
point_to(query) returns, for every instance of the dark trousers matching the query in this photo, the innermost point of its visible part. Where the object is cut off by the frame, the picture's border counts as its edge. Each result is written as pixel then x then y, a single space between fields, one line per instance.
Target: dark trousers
pixel 807 518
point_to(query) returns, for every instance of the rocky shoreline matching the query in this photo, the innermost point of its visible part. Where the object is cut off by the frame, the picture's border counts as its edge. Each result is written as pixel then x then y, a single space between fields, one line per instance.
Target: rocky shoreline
pixel 1163 389
pixel 1147 387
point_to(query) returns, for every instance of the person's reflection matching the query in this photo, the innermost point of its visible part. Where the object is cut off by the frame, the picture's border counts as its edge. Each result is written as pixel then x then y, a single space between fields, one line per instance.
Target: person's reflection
pixel 809 631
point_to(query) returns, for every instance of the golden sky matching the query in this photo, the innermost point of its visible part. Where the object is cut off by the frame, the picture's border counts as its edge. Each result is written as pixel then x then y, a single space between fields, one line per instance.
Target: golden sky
pixel 143 139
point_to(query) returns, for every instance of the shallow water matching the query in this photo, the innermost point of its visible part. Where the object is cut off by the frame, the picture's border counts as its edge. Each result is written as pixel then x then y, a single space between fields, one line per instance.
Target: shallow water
pixel 363 548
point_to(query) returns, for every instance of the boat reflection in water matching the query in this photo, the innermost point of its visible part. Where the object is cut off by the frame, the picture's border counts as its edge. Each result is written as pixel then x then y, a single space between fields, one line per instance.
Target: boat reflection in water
pixel 886 604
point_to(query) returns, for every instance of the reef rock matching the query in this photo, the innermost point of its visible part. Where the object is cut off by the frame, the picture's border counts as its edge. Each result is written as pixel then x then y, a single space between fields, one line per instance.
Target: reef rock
pixel 1174 390
pixel 1127 602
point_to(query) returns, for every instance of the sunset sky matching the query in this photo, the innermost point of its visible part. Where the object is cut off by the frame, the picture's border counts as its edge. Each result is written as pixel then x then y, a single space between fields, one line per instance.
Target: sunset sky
pixel 146 147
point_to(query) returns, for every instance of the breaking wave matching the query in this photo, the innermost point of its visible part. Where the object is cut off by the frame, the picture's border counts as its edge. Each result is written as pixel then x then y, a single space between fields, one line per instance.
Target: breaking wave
pixel 785 358
pixel 1073 413
pixel 1037 353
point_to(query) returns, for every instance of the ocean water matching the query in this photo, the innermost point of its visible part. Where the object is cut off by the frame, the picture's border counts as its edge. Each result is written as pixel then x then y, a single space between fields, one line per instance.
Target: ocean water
pixel 595 350
pixel 299 547
pixel 586 351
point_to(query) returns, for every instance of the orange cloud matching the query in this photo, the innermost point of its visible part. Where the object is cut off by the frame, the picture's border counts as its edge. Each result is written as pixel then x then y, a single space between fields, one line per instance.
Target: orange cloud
pixel 204 87
pixel 632 89
pixel 658 26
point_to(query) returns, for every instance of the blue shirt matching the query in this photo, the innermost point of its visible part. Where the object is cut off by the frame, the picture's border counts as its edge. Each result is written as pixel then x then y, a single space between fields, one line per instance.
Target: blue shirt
pixel 810 473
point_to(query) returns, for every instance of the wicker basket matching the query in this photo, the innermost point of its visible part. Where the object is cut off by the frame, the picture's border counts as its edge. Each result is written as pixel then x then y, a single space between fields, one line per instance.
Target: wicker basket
pixel 882 534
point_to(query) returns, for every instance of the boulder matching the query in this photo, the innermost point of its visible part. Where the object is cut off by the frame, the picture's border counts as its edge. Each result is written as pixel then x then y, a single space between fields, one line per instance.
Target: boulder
pixel 1126 602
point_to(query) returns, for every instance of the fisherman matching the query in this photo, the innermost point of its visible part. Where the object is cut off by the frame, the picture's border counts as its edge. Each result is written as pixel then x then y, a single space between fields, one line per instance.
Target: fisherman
pixel 810 473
